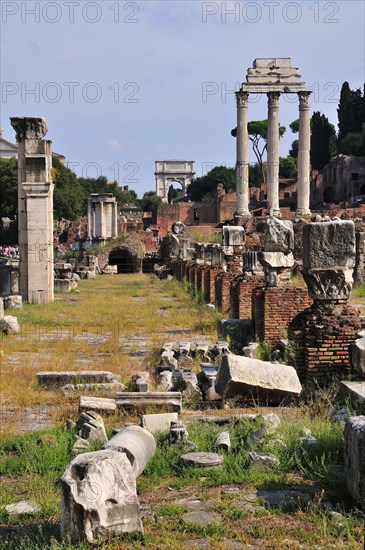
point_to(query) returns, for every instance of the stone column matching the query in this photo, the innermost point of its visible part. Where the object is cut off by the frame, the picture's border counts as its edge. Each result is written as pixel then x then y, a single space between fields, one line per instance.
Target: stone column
pixel 242 185
pixel 89 219
pixel 304 154
pixel 35 209
pixel 114 219
pixel 273 154
pixel 93 207
pixel 102 220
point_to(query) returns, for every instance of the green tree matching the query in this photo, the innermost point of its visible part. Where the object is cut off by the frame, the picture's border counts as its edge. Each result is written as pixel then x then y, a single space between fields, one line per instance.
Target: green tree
pixel 353 144
pixel 68 196
pixel 150 201
pixel 323 141
pixel 287 167
pixel 8 188
pixel 205 185
pixel 257 134
pixel 351 112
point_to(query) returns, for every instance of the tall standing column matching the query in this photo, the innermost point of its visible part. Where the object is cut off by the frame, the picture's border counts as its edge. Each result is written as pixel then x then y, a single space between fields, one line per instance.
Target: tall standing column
pixel 102 220
pixel 89 219
pixel 35 209
pixel 273 154
pixel 304 154
pixel 242 186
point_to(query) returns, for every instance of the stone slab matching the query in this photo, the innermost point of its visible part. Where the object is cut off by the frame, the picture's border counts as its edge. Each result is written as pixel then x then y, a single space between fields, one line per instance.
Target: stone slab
pixel 60 378
pixel 138 400
pixel 202 459
pixel 354 457
pixel 99 404
pixel 202 518
pixel 259 380
pixel 158 422
pixel 356 392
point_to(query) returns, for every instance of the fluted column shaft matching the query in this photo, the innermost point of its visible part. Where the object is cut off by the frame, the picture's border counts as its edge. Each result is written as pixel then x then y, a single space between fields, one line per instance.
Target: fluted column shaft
pixel 304 154
pixel 273 154
pixel 242 184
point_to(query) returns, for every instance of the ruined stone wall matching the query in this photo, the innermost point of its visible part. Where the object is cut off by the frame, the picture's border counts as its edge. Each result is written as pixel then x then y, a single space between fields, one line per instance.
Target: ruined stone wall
pixel 223 291
pixel 241 295
pixel 274 308
pixel 321 336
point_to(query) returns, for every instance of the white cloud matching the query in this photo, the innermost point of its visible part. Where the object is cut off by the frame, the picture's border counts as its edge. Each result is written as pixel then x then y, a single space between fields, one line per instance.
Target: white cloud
pixel 114 146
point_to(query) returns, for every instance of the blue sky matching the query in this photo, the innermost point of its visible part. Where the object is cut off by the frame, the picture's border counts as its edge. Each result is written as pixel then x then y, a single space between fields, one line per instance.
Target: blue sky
pixel 125 83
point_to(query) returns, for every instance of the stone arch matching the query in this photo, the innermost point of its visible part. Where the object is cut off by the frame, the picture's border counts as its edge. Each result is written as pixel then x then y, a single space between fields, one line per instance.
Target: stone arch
pixel 123 259
pixel 329 194
pixel 168 171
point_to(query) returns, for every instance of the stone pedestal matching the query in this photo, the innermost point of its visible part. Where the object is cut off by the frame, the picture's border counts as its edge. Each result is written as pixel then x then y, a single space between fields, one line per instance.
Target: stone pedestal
pixel 35 209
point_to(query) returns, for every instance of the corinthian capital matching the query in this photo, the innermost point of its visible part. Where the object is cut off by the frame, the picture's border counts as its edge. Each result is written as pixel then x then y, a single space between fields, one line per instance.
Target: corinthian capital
pixel 29 127
pixel 273 99
pixel 304 100
pixel 242 99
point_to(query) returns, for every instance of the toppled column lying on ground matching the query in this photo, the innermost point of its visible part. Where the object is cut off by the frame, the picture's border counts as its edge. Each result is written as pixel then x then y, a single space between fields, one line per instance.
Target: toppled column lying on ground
pixel 98 490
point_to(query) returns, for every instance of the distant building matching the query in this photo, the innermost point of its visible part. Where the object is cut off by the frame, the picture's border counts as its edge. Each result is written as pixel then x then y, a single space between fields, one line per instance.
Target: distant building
pixel 10 150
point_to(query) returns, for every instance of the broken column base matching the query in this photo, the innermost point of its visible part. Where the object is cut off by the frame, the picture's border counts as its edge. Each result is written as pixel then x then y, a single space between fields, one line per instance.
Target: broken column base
pixel 320 337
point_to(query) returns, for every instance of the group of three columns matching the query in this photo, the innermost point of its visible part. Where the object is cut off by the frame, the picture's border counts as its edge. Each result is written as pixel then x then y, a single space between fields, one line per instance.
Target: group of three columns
pixel 242 164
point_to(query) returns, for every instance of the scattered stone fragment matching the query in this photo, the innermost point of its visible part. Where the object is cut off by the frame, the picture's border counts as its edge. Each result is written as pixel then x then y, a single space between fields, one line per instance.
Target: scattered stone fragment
pixel 242 376
pixel 103 513
pixel 202 518
pixel 24 507
pixel 206 460
pixel 267 459
pixel 207 378
pixel 141 381
pixel 354 457
pixel 257 437
pixel 88 403
pixel 165 382
pixel 81 445
pixel 223 441
pixel 272 422
pixel 158 422
pixel 15 302
pixel 9 325
pixel 178 432
pixel 357 354
pixel 251 350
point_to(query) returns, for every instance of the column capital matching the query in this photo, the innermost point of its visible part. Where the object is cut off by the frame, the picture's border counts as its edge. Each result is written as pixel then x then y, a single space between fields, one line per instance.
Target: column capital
pixel 242 99
pixel 273 99
pixel 304 100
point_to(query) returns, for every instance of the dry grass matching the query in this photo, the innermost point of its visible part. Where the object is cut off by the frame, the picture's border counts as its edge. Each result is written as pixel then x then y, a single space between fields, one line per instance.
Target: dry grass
pixel 98 328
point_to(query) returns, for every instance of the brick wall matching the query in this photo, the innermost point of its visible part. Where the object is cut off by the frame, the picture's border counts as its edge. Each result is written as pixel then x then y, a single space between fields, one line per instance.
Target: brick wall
pixel 274 308
pixel 209 283
pixel 223 291
pixel 320 337
pixel 241 295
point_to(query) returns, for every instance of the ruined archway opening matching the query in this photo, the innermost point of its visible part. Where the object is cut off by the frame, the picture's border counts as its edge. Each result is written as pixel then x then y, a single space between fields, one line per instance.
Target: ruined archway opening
pixel 329 195
pixel 124 260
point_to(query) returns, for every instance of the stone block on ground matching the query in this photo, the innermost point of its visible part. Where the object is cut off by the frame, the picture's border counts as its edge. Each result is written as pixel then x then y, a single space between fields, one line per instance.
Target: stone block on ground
pixel 1 307
pixel 137 443
pixel 158 422
pixel 9 325
pixel 202 459
pixel 357 353
pixel 64 285
pixel 54 379
pixel 141 381
pixel 260 380
pixel 223 441
pixel 354 457
pixel 100 404
pixel 13 302
pixel 143 400
pixel 356 392
pixel 22 508
pixel 99 498
pixel 262 460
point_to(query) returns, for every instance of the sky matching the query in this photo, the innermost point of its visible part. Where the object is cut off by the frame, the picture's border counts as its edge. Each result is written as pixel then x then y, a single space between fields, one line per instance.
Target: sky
pixel 125 83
